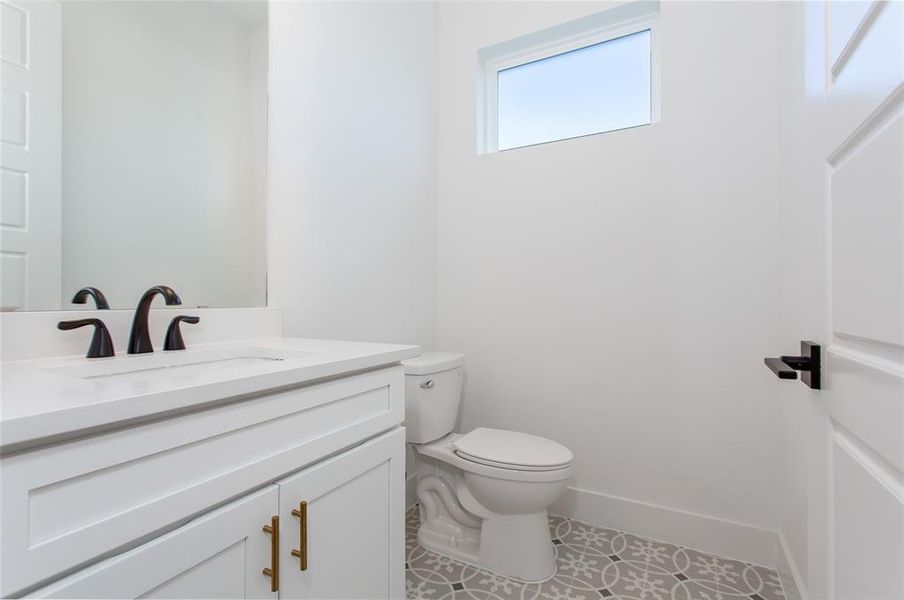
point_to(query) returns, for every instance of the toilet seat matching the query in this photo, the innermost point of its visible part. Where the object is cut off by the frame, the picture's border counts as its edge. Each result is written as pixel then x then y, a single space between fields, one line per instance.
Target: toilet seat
pixel 512 450
pixel 444 450
pixel 499 465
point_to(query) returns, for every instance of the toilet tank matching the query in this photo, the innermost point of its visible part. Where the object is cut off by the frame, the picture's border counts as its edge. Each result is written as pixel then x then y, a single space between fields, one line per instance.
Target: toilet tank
pixel 432 395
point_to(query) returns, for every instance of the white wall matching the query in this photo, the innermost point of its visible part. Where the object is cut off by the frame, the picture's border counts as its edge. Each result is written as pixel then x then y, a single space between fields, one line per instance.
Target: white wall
pixel 802 286
pixel 159 157
pixel 352 221
pixel 619 292
pixel 616 292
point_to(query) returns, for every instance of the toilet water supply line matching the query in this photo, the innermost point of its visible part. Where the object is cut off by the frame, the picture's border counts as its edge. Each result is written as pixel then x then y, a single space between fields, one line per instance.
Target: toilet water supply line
pixel 435 483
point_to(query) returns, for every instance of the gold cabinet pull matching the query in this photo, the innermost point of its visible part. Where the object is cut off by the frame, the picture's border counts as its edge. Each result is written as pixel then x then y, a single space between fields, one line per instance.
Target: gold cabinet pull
pixel 302 553
pixel 273 571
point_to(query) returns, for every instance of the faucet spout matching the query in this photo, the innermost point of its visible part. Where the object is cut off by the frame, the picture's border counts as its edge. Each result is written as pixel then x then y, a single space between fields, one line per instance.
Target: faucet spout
pixel 81 297
pixel 140 337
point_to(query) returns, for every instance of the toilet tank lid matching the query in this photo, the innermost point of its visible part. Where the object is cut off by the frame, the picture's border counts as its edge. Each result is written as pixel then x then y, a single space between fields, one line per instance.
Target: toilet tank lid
pixel 433 362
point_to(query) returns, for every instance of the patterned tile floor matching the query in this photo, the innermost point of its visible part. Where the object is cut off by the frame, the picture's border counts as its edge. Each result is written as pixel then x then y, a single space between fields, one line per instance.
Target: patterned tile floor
pixel 593 563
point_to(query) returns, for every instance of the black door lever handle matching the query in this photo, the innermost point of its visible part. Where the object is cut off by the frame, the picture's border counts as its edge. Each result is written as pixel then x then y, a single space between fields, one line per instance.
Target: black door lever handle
pixel 781 368
pixel 809 363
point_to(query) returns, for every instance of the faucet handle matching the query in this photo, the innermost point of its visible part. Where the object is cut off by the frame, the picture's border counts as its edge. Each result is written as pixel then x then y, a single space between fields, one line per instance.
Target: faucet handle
pixel 174 339
pixel 101 343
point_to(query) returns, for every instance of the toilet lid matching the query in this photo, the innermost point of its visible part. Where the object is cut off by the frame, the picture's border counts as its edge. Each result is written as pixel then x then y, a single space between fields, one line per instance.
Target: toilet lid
pixel 512 449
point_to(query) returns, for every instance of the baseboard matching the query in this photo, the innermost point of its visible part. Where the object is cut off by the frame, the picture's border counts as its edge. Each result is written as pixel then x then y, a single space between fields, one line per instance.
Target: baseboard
pixel 792 583
pixel 410 491
pixel 714 535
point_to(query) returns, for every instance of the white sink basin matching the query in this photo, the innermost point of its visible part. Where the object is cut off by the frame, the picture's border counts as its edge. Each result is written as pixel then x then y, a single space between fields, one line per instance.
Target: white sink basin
pixel 181 363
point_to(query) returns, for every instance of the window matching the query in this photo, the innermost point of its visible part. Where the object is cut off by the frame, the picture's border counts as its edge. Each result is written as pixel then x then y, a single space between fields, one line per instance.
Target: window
pixel 590 76
pixel 590 90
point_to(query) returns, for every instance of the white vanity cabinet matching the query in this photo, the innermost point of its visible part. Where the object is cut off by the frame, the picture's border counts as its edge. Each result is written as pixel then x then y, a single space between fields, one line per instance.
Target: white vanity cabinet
pixel 175 507
pixel 218 555
pixel 350 531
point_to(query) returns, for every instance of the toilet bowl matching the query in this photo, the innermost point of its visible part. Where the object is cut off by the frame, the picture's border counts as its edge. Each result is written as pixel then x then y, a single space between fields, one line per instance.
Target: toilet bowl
pixel 483 495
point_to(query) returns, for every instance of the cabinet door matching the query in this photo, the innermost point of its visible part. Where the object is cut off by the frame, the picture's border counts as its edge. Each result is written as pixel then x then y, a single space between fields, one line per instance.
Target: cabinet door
pixel 355 524
pixel 219 555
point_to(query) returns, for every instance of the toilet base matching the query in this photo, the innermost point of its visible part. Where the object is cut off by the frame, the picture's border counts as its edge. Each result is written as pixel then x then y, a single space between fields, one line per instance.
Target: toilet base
pixel 462 544
pixel 515 546
pixel 518 546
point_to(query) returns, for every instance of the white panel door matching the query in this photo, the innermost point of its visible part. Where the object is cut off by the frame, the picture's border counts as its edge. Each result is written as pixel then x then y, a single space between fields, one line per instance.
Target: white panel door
pixel 854 85
pixel 354 515
pixel 30 78
pixel 219 555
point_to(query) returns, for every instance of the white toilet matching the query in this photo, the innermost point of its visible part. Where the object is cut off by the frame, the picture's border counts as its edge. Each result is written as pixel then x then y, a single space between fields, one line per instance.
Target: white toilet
pixel 483 495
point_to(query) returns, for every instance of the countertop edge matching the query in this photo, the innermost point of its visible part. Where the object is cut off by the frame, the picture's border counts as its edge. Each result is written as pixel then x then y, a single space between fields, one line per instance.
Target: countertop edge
pixel 32 431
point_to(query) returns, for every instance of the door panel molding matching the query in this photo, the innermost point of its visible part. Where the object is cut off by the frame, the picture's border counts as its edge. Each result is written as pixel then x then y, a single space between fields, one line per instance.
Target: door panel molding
pixel 887 111
pixel 866 518
pixel 882 471
pixel 859 32
pixel 865 259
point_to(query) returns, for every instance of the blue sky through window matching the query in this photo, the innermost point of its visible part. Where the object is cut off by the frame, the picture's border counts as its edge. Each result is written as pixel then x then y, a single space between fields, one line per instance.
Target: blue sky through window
pixel 598 88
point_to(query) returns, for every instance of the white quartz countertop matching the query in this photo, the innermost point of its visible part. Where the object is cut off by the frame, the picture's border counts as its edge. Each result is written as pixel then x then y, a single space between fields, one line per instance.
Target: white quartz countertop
pixel 51 399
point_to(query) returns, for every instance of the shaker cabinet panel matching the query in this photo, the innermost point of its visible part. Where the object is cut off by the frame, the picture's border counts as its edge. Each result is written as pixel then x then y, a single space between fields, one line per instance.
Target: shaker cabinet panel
pixel 350 531
pixel 68 504
pixel 219 555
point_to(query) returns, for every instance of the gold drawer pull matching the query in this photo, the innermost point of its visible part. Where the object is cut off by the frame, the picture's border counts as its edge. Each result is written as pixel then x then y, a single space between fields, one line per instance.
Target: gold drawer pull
pixel 302 554
pixel 273 571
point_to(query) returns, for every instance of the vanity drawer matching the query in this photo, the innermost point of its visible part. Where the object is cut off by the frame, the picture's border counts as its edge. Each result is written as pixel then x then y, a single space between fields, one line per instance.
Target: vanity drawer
pixel 67 505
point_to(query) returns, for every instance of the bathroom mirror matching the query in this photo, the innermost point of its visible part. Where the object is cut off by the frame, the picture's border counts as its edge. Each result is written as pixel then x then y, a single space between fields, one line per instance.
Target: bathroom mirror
pixel 152 168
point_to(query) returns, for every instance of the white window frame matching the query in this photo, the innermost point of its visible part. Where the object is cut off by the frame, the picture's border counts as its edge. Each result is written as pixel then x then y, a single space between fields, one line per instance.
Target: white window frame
pixel 596 29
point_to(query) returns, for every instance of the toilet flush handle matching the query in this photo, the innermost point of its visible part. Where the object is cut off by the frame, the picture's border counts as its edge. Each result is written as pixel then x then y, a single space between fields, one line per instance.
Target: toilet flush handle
pixel 427 384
